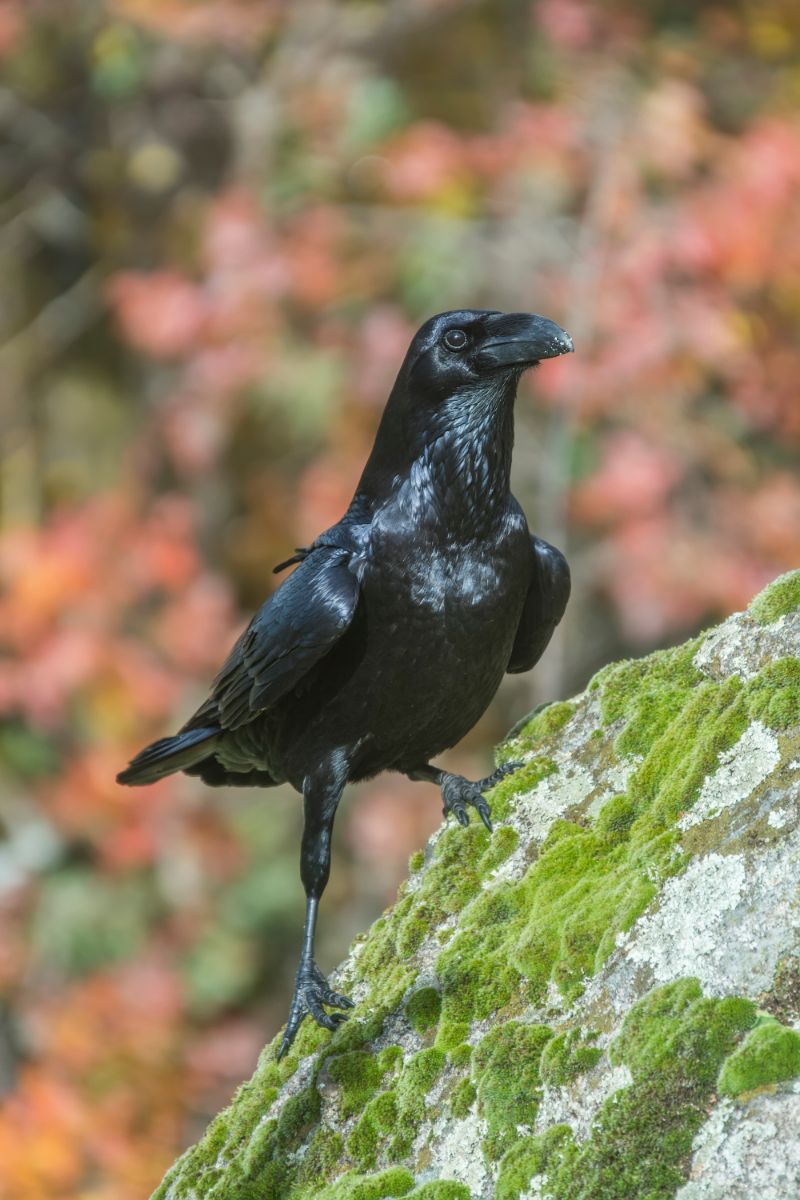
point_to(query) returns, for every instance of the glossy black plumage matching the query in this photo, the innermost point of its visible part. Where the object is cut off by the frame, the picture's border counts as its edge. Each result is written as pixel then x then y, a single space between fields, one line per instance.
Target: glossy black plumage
pixel 389 639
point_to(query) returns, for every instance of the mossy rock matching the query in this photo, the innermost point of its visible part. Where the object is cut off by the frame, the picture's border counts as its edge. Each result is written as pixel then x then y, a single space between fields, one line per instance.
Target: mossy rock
pixel 594 1002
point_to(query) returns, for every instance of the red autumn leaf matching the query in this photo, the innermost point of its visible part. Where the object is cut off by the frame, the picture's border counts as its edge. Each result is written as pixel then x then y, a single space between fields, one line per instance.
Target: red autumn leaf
pixel 160 313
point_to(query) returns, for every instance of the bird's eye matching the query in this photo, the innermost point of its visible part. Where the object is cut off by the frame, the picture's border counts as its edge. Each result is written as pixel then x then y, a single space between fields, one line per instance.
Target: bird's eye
pixel 455 339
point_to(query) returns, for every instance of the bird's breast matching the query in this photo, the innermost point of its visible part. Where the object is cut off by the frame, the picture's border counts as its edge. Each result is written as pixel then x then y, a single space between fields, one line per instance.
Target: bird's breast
pixel 453 585
pixel 453 579
pixel 440 621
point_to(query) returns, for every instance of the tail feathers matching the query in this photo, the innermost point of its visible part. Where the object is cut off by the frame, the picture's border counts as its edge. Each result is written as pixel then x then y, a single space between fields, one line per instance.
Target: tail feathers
pixel 169 755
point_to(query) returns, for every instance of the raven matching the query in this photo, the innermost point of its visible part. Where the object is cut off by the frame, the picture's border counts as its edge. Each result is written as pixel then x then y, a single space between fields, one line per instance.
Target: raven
pixel 389 639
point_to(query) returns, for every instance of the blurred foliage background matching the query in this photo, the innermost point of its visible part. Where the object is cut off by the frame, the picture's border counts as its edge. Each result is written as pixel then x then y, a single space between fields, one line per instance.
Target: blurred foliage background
pixel 220 223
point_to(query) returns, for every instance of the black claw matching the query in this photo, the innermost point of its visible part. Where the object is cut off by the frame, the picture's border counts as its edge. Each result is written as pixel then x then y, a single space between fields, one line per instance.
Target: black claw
pixel 290 1033
pixel 311 992
pixel 316 1010
pixel 506 769
pixel 460 795
pixel 339 1001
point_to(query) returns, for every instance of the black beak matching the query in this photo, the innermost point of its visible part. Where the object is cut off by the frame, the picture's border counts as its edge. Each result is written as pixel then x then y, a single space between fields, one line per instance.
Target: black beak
pixel 520 340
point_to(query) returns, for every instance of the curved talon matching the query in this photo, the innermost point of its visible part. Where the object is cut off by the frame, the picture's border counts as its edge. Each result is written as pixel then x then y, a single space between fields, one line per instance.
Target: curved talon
pixel 310 994
pixel 337 1000
pixel 458 811
pixel 484 814
pixel 459 795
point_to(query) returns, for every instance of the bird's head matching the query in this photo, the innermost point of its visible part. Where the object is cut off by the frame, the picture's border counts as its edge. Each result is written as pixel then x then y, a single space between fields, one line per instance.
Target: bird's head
pixel 474 349
pixel 456 387
pixel 462 369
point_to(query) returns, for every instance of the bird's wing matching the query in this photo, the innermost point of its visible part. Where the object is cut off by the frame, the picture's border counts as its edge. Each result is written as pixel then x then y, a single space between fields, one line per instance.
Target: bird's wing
pixel 547 598
pixel 291 632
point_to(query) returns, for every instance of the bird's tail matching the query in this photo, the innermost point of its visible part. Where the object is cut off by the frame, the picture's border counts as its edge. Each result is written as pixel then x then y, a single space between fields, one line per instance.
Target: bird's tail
pixel 169 755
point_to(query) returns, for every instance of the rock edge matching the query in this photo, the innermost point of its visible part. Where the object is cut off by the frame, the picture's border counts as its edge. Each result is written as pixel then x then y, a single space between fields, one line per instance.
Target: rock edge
pixel 601 999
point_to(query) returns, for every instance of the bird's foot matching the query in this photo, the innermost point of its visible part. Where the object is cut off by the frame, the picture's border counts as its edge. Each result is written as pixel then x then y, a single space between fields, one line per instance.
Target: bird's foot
pixel 311 992
pixel 499 773
pixel 460 794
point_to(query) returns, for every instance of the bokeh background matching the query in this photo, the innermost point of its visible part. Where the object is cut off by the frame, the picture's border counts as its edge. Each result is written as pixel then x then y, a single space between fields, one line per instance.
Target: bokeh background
pixel 220 223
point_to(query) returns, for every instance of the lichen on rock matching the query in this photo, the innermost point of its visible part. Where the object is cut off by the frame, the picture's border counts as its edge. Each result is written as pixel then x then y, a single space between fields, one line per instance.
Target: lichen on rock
pixel 598 1001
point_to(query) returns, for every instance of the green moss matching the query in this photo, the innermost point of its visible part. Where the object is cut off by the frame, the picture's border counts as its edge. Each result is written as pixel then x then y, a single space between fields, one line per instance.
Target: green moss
pixel 667 782
pixel 353 1186
pixel 477 978
pixel 462 1097
pixel 451 880
pixel 675 1024
pixel 528 1157
pixel 417 1079
pixel 506 942
pixel 390 1057
pixel 451 1036
pixel 376 1123
pixel 545 721
pixel 362 1145
pixel 504 842
pixel 267 1154
pixel 322 1160
pixel 673 1041
pixel 505 1067
pixel 379 951
pixel 298 1115
pixel 778 600
pixel 263 1155
pixel 769 1054
pixel 254 1098
pixel 310 1038
pixel 504 796
pixel 413 1085
pixel 460 1056
pixel 383 1111
pixel 441 1189
pixel 414 930
pixel 600 678
pixel 561 921
pixel 567 1056
pixel 396 1113
pixel 423 1009
pixel 364 1027
pixel 648 694
pixel 416 861
pixel 614 821
pixel 358 1075
pixel 389 984
pixel 773 697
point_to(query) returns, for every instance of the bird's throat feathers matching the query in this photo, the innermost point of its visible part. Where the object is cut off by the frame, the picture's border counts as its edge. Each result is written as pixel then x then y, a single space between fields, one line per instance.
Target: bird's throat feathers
pixel 452 463
pixel 462 478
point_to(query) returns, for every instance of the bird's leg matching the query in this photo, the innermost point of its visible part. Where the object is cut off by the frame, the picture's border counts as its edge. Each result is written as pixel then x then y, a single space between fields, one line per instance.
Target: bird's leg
pixel 459 794
pixel 321 795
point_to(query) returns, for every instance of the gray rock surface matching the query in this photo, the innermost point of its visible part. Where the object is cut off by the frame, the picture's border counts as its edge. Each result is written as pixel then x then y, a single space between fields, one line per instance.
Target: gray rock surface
pixel 601 1001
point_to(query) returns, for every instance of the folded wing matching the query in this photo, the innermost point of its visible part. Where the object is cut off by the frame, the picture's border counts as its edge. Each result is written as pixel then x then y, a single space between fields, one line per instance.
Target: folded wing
pixel 289 634
pixel 545 603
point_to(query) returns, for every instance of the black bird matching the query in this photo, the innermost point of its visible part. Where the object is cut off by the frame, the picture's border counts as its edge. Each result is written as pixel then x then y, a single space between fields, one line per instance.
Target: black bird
pixel 386 644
